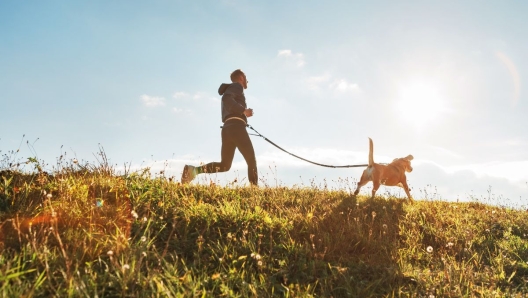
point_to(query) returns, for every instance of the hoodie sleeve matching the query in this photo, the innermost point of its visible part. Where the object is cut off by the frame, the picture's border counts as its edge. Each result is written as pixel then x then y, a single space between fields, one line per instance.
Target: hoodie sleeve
pixel 229 102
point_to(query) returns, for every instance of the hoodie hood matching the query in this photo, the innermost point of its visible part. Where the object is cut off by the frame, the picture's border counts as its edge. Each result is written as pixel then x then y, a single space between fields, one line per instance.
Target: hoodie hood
pixel 223 88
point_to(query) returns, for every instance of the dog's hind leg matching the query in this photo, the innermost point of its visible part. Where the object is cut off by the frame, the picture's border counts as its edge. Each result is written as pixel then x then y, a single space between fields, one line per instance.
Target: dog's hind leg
pixel 357 189
pixel 375 186
pixel 361 183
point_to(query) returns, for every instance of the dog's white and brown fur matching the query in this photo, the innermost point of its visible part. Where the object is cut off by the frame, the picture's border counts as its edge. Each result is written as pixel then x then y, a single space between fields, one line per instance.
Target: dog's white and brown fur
pixel 392 174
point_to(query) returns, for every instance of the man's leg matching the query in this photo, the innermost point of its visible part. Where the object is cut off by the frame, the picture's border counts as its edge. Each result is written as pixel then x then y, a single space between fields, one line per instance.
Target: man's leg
pixel 188 174
pixel 243 142
pixel 227 154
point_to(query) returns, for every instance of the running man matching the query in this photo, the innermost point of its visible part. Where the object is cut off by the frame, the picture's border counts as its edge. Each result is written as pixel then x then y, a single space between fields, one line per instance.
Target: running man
pixel 234 134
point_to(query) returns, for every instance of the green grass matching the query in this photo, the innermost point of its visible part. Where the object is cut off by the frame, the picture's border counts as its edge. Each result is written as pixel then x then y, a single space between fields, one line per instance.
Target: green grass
pixel 84 231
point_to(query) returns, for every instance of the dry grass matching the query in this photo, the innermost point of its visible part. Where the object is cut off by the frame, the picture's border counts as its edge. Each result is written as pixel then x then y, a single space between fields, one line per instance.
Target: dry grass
pixel 83 231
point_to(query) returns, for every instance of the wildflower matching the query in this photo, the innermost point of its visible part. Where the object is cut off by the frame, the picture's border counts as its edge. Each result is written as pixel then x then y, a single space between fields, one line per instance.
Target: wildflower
pixel 143 238
pixel 220 260
pixel 144 254
pixel 145 219
pixel 429 249
pixel 450 244
pixel 126 267
pixel 134 214
pixel 75 161
pixel 110 253
pixel 49 196
pixel 373 213
pixel 259 263
pixel 384 226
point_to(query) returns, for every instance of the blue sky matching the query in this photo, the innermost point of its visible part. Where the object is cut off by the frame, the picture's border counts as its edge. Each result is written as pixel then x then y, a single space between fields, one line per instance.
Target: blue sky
pixel 442 80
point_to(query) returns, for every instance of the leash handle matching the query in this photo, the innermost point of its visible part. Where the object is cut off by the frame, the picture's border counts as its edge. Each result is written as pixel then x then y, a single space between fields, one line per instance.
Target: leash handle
pixel 312 162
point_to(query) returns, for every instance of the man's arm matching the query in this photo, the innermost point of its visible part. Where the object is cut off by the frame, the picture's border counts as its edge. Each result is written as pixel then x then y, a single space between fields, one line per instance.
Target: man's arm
pixel 229 99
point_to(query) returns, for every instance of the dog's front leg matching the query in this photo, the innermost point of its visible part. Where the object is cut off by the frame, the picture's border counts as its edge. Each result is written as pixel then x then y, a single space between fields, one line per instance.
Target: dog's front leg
pixel 406 188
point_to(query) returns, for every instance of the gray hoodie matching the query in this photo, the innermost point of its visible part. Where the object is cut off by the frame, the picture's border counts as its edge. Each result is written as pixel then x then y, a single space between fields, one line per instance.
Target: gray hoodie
pixel 233 101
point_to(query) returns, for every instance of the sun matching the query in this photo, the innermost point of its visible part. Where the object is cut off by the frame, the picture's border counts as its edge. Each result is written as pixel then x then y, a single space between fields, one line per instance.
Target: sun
pixel 420 103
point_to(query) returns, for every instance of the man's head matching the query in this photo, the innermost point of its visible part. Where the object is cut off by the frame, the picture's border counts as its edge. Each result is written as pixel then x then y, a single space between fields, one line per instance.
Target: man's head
pixel 238 76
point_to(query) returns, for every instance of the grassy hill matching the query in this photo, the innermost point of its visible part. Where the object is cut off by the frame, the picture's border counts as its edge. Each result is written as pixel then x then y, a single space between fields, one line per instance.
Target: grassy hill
pixel 84 231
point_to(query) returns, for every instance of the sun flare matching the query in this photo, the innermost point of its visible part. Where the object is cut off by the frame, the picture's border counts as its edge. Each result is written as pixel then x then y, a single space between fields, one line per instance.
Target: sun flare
pixel 420 103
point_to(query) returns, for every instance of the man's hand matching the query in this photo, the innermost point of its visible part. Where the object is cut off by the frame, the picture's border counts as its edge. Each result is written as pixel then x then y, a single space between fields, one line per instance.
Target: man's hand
pixel 248 112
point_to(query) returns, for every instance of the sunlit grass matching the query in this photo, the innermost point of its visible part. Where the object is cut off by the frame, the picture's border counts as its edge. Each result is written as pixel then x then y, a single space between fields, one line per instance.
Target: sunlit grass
pixel 85 231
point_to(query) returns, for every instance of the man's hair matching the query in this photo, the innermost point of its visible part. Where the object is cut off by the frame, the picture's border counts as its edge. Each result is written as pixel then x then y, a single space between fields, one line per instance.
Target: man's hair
pixel 235 74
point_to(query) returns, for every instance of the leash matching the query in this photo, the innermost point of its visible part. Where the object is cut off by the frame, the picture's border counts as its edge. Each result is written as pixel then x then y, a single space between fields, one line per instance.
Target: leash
pixel 312 162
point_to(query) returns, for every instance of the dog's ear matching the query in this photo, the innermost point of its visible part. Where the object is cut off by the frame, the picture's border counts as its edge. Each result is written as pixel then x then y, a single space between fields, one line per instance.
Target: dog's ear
pixel 409 157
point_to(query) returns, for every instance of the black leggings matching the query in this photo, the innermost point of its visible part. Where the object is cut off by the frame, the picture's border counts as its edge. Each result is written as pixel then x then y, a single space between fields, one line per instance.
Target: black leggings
pixel 234 135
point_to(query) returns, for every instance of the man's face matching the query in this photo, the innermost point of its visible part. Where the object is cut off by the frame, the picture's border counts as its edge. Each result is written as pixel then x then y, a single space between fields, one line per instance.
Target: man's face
pixel 243 80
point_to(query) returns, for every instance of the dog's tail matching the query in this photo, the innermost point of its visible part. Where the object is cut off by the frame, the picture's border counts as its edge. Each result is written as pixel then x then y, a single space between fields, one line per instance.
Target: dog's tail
pixel 371 153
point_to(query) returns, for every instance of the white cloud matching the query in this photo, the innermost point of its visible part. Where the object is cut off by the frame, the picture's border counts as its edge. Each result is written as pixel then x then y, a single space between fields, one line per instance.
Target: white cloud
pixel 445 152
pixel 152 101
pixel 203 95
pixel 182 111
pixel 341 85
pixel 337 85
pixel 315 82
pixel 298 58
pixel 465 184
pixel 512 171
pixel 286 53
pixel 198 95
pixel 180 95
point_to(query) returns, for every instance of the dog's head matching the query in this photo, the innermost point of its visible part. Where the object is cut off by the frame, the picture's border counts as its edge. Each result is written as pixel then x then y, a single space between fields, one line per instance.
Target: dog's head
pixel 404 162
